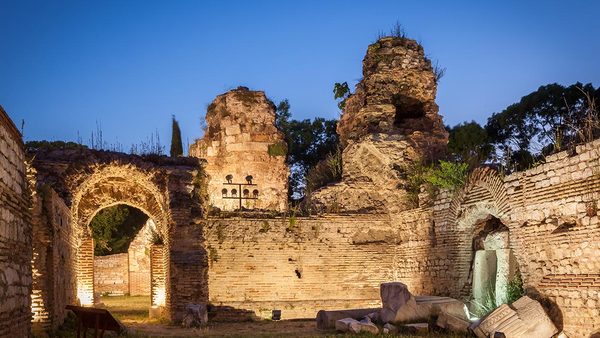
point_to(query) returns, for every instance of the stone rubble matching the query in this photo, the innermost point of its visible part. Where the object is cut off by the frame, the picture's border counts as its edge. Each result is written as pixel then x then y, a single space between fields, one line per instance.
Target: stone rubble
pixel 196 316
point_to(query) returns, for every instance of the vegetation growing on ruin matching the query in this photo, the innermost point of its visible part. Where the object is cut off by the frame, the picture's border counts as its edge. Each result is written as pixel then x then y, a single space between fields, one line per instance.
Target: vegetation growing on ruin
pixel 328 170
pixel 33 146
pixel 277 149
pixel 514 288
pixel 308 142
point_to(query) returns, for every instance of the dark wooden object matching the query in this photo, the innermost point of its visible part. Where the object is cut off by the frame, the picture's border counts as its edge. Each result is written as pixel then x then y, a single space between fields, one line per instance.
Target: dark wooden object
pixel 93 318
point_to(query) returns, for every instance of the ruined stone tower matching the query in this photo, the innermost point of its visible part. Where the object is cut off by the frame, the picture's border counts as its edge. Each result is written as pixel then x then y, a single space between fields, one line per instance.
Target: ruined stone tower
pixel 242 145
pixel 389 124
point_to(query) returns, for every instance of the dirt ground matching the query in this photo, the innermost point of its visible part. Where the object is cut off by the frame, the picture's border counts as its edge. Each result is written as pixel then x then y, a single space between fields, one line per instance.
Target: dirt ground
pixel 133 313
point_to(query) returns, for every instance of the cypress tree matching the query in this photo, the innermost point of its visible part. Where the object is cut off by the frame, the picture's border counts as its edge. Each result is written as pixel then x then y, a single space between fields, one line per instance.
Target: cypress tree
pixel 176 145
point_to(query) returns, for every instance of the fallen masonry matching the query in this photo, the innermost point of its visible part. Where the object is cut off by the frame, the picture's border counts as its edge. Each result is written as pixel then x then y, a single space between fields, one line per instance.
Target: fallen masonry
pixel 402 312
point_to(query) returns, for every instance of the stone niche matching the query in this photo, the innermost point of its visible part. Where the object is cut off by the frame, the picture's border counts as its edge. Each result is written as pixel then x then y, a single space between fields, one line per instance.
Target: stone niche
pixel 242 145
pixel 390 123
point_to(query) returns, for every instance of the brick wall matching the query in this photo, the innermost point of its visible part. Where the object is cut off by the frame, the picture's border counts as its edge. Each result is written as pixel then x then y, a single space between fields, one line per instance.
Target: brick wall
pixel 15 234
pixel 111 274
pixel 54 252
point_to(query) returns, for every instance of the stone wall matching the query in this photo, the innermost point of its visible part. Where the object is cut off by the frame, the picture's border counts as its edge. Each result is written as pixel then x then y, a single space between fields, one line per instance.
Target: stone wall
pixel 242 141
pixel 54 252
pixel 302 265
pixel 111 274
pixel 298 265
pixel 15 234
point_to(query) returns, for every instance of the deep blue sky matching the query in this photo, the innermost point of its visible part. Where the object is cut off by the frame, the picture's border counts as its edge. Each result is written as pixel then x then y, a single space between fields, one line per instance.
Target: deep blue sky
pixel 131 64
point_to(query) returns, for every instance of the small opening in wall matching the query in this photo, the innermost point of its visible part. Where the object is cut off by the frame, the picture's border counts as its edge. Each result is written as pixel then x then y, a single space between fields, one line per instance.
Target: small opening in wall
pixel 234 192
pixel 224 192
pixel 298 273
pixel 246 192
pixel 255 193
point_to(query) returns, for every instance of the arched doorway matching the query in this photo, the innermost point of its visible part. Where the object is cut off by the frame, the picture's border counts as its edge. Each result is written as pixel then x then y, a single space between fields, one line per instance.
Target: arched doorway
pixel 106 190
pixel 124 239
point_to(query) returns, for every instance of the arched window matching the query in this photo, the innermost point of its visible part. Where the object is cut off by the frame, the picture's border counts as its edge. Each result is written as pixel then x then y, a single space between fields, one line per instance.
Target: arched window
pixel 224 192
pixel 255 193
pixel 246 192
pixel 234 192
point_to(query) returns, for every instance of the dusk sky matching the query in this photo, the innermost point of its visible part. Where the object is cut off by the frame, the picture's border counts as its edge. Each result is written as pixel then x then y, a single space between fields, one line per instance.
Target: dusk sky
pixel 130 65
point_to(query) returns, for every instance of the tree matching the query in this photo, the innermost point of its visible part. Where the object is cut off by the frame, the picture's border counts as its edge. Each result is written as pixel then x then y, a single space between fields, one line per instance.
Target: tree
pixel 113 228
pixel 468 143
pixel 176 144
pixel 308 141
pixel 341 92
pixel 550 119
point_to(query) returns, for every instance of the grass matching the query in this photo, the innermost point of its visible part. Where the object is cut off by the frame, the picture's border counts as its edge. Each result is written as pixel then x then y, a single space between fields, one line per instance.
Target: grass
pixel 128 308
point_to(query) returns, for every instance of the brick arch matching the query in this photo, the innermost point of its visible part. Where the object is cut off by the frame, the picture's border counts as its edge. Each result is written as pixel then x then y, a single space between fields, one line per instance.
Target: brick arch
pixel 120 184
pixel 109 185
pixel 483 196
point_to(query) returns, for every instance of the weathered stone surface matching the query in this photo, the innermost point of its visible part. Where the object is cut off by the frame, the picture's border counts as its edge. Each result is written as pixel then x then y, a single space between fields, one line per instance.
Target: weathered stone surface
pixel 523 318
pixel 452 323
pixel 343 325
pixel 394 296
pixel 196 316
pixel 389 329
pixel 364 325
pixel 535 318
pixel 389 124
pixel 15 234
pixel 326 319
pixel 484 274
pixel 242 140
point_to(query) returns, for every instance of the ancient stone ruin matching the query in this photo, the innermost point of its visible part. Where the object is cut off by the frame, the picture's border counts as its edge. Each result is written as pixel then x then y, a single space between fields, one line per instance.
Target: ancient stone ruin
pixel 244 153
pixel 389 124
pixel 371 237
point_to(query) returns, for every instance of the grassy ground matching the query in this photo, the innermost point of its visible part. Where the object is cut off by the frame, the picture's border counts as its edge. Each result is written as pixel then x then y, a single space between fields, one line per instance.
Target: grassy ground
pixel 133 313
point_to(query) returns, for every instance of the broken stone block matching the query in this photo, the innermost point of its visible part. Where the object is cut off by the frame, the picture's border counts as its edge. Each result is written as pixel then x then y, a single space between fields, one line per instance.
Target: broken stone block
pixel 389 328
pixel 395 296
pixel 363 326
pixel 496 240
pixel 524 318
pixel 196 315
pixel 434 305
pixel 326 319
pixel 535 317
pixel 343 325
pixel 452 323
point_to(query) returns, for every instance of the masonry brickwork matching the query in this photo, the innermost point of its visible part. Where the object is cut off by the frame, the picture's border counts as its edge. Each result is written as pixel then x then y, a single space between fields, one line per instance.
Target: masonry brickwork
pixel 241 140
pixel 169 190
pixel 15 234
pixel 54 258
pixel 301 265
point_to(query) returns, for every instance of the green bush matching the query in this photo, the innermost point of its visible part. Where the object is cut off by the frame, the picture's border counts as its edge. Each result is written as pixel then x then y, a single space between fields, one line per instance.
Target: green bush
pixel 514 289
pixel 325 172
pixel 449 175
pixel 277 149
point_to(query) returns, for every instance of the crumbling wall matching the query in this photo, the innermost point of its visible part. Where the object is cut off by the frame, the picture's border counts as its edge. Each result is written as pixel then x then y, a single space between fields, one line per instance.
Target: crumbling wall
pixel 169 190
pixel 15 234
pixel 111 274
pixel 241 140
pixel 54 252
pixel 139 260
pixel 388 125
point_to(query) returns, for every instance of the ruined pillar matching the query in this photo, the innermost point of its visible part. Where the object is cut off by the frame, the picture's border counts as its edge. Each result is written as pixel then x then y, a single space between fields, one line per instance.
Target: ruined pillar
pixel 85 272
pixel 244 151
pixel 390 124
